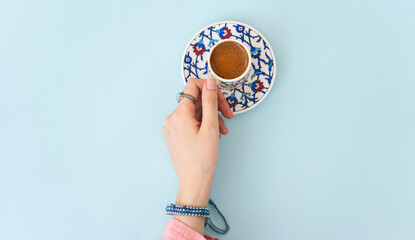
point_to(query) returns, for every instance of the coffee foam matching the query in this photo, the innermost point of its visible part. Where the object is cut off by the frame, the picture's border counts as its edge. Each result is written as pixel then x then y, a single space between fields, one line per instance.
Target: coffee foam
pixel 229 60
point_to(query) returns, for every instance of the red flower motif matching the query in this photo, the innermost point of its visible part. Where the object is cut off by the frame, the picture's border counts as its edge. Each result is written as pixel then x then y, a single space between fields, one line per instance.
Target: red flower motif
pixel 228 33
pixel 260 86
pixel 232 104
pixel 198 52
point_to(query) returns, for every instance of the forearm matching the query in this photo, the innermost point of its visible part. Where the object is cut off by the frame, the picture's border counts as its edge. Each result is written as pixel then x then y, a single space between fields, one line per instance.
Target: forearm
pixel 195 194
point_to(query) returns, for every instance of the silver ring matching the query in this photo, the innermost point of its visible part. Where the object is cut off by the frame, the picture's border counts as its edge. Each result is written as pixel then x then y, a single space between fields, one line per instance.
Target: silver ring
pixel 182 95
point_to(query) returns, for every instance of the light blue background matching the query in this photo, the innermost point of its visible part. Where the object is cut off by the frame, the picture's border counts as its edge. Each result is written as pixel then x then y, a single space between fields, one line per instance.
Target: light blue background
pixel 85 87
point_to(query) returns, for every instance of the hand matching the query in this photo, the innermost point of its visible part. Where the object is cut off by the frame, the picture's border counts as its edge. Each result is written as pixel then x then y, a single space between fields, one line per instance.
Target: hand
pixel 192 135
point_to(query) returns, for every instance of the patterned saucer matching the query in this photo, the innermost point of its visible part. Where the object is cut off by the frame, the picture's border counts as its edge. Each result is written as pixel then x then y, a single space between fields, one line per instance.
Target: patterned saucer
pixel 262 76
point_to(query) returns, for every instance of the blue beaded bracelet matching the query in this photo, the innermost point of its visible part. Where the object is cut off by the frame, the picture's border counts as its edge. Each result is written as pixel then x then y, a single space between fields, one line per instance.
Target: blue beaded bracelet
pixel 173 209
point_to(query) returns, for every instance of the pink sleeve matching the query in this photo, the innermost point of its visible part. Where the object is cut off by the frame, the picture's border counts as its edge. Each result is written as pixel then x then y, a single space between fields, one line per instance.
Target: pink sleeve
pixel 176 230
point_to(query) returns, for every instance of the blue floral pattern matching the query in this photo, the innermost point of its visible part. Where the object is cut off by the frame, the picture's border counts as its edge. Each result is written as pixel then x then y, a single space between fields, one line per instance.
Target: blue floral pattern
pixel 262 75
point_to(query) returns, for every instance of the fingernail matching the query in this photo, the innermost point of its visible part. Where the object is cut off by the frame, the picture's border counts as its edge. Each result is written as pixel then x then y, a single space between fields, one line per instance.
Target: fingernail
pixel 211 84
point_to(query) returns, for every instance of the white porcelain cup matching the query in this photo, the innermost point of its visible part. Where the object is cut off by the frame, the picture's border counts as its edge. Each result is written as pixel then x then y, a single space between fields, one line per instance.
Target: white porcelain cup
pixel 234 82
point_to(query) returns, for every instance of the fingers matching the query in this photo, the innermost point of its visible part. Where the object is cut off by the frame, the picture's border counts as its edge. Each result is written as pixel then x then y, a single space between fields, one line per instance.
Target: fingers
pixel 210 120
pixel 222 126
pixel 193 88
pixel 224 106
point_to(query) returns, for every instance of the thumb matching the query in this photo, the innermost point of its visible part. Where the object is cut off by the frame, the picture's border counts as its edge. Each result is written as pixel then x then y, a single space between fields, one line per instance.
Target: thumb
pixel 210 120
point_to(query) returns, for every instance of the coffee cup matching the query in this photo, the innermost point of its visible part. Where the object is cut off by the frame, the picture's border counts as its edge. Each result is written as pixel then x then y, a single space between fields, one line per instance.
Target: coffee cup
pixel 229 63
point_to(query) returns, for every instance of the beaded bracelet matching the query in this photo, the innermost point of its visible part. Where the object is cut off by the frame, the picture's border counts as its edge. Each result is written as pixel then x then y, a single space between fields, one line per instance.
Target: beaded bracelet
pixel 173 209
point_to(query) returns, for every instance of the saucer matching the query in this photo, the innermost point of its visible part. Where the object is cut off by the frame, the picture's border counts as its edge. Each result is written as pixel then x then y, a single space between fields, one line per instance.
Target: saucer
pixel 262 75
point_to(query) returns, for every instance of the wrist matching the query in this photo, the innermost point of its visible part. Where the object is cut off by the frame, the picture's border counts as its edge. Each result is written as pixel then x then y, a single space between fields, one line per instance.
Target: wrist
pixel 195 191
